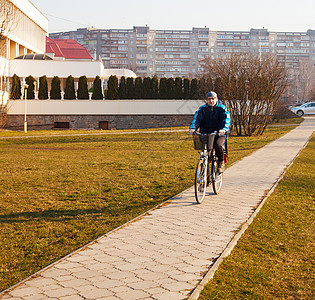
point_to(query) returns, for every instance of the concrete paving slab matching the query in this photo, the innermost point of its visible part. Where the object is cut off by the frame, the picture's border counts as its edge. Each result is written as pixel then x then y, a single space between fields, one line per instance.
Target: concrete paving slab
pixel 164 254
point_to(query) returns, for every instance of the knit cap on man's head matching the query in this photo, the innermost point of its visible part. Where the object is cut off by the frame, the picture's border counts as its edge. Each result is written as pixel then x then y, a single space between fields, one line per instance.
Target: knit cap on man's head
pixel 212 95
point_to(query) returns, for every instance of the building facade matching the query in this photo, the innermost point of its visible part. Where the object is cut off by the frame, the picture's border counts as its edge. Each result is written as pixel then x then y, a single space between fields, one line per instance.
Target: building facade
pixel 147 52
pixel 22 31
pixel 179 52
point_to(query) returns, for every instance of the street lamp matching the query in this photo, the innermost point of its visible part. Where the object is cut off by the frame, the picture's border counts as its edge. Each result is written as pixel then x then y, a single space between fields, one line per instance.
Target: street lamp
pixel 25 87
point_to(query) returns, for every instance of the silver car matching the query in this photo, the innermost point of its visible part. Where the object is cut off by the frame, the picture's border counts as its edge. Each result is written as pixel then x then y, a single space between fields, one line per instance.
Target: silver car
pixel 305 109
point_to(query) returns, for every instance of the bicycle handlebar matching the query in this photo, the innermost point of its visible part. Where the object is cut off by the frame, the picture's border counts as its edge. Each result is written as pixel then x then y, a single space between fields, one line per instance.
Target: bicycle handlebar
pixel 198 133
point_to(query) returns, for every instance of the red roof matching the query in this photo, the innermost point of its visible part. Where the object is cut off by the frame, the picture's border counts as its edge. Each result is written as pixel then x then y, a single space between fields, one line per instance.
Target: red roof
pixel 69 49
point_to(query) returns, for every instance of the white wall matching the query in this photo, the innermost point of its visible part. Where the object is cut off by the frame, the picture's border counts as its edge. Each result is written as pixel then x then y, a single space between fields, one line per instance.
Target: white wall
pixel 104 107
pixel 51 68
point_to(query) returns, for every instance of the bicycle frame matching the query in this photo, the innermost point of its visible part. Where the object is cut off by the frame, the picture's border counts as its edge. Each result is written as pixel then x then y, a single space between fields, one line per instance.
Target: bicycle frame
pixel 204 176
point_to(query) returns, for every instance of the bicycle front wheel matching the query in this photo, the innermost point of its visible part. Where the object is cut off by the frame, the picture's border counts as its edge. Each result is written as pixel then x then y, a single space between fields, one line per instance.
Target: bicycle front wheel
pixel 201 180
pixel 217 178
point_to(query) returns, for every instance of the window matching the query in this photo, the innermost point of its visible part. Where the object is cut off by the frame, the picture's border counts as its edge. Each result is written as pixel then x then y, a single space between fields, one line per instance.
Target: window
pixel 103 125
pixel 141 55
pixel 62 125
pixel 141 62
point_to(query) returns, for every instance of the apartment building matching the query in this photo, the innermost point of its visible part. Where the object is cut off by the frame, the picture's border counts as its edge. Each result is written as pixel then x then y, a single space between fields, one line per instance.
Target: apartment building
pixel 147 52
pixel 179 52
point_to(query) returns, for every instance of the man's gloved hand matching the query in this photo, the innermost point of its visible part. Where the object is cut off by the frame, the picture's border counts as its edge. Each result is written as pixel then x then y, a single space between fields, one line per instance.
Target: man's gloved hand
pixel 221 132
pixel 191 131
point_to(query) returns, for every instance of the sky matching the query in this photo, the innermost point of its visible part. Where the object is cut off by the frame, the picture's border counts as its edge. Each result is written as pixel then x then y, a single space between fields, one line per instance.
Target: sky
pixel 219 15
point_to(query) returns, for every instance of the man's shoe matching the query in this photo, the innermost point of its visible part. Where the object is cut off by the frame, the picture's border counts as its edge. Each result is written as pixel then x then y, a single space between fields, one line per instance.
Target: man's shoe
pixel 221 166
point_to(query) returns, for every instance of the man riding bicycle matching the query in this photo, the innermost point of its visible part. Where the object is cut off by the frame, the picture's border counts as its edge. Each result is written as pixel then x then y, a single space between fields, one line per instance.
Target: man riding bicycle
pixel 210 117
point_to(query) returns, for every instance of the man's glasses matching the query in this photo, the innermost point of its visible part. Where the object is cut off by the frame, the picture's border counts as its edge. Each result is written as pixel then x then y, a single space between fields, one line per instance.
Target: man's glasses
pixel 211 98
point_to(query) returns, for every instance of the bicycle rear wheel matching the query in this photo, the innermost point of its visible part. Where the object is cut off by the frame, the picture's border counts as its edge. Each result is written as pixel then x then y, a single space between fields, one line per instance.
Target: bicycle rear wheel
pixel 201 180
pixel 217 178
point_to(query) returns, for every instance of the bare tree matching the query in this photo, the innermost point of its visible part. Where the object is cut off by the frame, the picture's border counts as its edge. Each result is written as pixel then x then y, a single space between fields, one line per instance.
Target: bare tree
pixel 7 23
pixel 7 16
pixel 249 86
pixel 312 94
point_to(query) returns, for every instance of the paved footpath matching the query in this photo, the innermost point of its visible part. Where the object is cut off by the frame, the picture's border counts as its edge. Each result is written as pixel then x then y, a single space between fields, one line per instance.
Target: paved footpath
pixel 165 253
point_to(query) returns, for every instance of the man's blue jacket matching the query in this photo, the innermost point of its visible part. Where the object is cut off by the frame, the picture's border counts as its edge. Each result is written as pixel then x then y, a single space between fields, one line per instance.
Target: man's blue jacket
pixel 211 118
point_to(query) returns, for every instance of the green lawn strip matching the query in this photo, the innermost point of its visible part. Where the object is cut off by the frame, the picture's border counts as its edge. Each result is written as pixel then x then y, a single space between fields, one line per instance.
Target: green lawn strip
pixel 274 259
pixel 59 193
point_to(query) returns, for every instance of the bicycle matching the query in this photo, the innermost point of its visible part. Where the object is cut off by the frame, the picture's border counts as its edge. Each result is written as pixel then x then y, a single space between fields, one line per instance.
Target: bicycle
pixel 203 177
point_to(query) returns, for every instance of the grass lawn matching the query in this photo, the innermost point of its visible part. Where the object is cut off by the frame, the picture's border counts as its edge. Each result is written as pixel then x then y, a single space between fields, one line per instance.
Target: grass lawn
pixel 58 193
pixel 274 259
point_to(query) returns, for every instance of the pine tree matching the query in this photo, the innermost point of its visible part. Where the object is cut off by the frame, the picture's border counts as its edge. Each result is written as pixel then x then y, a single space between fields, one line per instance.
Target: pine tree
pixel 83 92
pixel 147 88
pixel 97 89
pixel 155 88
pixel 112 87
pixel 194 89
pixel 43 88
pixel 163 88
pixel 178 88
pixel 55 92
pixel 130 88
pixel 122 92
pixel 138 88
pixel 170 88
pixel 30 90
pixel 186 93
pixel 15 91
pixel 69 90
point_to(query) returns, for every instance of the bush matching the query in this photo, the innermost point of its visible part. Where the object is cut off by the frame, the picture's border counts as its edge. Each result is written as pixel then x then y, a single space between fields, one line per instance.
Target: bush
pixel 282 112
pixel 55 92
pixel 112 87
pixel 122 92
pixel 69 90
pixel 97 89
pixel 130 88
pixel 15 91
pixel 83 92
pixel 43 88
pixel 30 90
pixel 138 88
